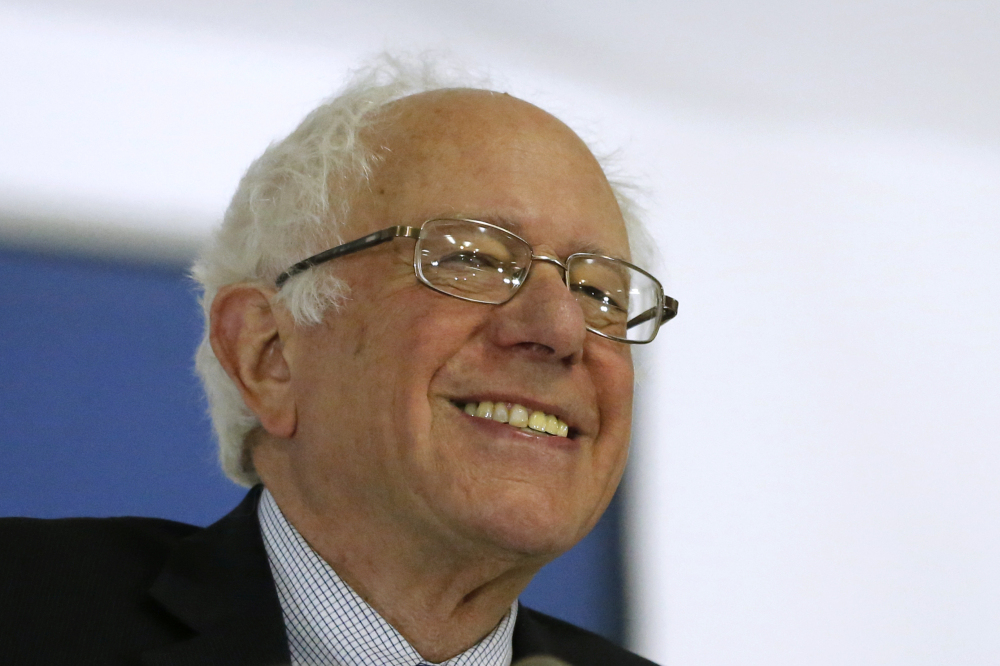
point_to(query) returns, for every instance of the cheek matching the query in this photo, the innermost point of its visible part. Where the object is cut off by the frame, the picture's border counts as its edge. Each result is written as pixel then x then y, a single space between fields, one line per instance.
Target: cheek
pixel 416 348
pixel 614 379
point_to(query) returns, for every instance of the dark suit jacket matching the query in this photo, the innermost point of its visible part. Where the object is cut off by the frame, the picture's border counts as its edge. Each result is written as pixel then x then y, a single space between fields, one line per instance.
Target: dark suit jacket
pixel 87 591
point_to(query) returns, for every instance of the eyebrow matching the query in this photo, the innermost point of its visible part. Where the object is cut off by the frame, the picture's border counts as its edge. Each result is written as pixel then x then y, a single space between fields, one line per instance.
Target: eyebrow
pixel 517 228
pixel 507 223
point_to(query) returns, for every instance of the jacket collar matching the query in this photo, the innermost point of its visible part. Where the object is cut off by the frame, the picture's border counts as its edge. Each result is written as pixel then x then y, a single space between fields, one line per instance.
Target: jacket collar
pixel 529 636
pixel 218 583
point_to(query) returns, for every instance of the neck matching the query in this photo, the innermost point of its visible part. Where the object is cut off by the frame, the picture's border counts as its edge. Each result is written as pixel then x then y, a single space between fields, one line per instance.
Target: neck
pixel 442 596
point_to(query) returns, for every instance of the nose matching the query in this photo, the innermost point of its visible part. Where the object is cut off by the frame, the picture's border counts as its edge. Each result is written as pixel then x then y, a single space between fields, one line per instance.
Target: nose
pixel 543 319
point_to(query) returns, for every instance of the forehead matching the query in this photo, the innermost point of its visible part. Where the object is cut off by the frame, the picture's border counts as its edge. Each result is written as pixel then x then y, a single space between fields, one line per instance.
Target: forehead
pixel 493 157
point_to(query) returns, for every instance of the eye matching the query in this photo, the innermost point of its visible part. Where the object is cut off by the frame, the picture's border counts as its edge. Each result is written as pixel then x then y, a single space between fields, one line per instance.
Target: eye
pixel 598 296
pixel 469 260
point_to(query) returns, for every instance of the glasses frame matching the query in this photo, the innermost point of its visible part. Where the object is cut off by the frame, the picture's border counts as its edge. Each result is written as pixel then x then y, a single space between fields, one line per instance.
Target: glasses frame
pixel 667 311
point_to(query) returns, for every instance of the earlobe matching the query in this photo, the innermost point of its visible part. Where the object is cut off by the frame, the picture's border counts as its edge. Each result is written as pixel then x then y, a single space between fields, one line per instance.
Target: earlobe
pixel 246 338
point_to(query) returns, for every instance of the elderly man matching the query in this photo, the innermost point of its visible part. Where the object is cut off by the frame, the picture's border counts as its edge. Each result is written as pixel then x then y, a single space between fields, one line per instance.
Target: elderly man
pixel 419 315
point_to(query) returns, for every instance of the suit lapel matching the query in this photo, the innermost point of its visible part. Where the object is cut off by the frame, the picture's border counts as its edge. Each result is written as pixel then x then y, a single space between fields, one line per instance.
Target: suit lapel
pixel 529 637
pixel 218 583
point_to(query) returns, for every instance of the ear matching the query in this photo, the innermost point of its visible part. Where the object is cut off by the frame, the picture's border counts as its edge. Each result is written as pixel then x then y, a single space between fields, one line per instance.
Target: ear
pixel 246 338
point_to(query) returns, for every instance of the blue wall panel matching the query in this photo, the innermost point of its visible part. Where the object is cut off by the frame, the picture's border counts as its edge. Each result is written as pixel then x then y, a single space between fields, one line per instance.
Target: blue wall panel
pixel 101 415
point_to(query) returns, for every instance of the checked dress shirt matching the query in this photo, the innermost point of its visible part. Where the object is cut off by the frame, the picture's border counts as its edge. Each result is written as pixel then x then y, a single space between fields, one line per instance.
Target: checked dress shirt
pixel 328 624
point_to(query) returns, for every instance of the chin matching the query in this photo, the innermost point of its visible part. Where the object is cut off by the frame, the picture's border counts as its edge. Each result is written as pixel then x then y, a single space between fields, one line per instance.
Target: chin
pixel 541 543
pixel 539 528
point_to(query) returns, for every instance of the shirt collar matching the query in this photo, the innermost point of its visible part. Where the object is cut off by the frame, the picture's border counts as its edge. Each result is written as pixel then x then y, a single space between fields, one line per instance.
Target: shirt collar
pixel 328 623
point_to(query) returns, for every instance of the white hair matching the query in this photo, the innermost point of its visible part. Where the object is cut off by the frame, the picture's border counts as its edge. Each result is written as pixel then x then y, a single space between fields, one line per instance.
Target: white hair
pixel 293 202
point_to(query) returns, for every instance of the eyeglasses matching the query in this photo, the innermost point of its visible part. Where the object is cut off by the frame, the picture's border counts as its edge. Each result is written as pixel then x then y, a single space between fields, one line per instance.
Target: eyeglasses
pixel 483 263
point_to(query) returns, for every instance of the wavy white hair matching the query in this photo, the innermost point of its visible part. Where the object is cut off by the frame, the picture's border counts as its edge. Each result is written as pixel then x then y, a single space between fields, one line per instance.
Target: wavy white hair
pixel 293 202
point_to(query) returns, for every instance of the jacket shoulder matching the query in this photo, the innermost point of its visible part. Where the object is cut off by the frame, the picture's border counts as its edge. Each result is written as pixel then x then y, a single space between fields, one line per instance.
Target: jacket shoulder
pixel 28 544
pixel 539 633
pixel 81 582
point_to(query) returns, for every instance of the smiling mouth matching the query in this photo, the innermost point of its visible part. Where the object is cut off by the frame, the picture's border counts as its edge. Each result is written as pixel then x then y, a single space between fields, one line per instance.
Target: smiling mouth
pixel 518 416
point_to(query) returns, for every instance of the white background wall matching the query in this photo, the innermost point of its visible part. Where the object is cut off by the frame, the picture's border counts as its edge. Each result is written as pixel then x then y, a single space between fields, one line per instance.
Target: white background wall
pixel 816 457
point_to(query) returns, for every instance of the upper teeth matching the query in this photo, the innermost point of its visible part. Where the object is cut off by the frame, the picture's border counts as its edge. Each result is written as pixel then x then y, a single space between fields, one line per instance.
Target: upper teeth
pixel 517 416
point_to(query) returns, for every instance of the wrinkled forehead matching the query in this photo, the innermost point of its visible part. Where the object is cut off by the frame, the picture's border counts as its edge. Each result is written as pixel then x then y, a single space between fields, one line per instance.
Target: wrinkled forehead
pixel 474 153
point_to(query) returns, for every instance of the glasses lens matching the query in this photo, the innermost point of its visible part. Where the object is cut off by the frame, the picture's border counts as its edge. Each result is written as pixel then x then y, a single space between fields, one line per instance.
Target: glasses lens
pixel 617 300
pixel 471 260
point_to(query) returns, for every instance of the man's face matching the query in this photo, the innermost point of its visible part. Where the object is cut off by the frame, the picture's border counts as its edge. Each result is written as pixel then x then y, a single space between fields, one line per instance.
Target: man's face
pixel 380 385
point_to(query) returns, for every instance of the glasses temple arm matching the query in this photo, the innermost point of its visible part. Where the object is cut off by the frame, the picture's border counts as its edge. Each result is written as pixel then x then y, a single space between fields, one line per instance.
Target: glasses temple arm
pixel 669 312
pixel 370 240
